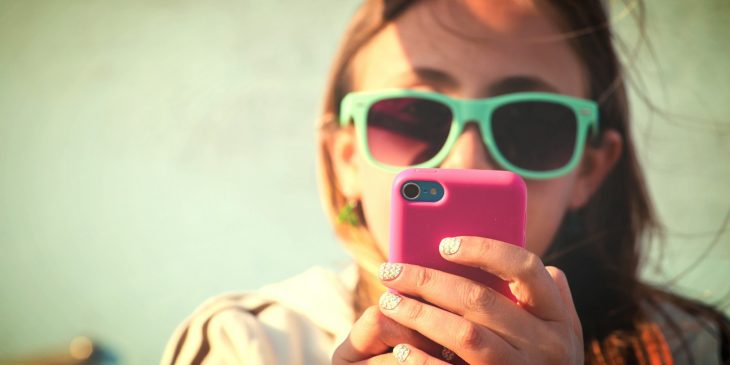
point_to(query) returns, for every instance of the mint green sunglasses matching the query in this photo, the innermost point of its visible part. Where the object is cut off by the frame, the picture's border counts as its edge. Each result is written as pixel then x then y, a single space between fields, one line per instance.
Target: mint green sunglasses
pixel 534 134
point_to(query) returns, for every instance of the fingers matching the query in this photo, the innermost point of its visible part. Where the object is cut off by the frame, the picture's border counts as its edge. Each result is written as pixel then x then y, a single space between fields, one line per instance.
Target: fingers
pixel 472 300
pixel 403 354
pixel 470 341
pixel 374 334
pixel 528 279
pixel 406 354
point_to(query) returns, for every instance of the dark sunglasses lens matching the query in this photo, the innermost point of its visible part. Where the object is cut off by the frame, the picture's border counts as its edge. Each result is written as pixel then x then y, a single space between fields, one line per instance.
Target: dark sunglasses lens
pixel 407 131
pixel 535 135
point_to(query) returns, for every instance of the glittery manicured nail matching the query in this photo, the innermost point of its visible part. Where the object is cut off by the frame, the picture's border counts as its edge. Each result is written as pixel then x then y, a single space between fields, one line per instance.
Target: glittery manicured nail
pixel 401 352
pixel 389 271
pixel 449 245
pixel 447 354
pixel 389 300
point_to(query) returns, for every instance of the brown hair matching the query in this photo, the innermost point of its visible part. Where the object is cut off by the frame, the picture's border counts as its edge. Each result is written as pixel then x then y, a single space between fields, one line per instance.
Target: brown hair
pixel 599 246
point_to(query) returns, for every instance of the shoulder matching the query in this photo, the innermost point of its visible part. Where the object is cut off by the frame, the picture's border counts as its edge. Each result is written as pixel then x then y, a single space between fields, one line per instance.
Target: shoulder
pixel 297 321
pixel 687 332
pixel 225 318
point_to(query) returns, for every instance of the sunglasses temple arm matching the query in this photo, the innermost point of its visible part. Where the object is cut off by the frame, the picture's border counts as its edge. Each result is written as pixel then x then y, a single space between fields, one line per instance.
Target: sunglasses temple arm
pixel 594 139
pixel 345 113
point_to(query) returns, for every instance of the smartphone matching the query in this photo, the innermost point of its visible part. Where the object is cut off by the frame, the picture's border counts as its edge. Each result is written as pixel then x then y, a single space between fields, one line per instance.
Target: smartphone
pixel 428 205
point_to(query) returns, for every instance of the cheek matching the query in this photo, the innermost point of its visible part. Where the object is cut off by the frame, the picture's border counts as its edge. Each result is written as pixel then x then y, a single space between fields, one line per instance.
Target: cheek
pixel 547 202
pixel 375 200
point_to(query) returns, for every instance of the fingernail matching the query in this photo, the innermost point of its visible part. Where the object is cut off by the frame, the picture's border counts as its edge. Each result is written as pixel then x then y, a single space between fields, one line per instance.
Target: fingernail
pixel 401 352
pixel 389 300
pixel 447 354
pixel 449 245
pixel 389 271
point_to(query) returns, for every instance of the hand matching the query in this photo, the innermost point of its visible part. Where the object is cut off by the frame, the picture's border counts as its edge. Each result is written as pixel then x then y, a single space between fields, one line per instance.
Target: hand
pixel 477 323
pixel 374 335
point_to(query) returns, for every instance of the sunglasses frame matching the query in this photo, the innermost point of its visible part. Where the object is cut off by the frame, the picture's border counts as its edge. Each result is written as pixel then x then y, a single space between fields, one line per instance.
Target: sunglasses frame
pixel 355 107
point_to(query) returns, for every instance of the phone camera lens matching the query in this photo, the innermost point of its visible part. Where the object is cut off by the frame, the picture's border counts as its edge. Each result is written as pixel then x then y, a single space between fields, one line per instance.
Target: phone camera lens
pixel 411 191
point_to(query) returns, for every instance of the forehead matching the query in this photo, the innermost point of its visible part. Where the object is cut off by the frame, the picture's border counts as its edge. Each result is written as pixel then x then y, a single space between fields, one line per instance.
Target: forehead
pixel 473 45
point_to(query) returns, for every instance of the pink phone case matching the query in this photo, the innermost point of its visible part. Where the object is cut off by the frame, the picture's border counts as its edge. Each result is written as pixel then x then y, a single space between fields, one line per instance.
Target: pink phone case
pixel 484 203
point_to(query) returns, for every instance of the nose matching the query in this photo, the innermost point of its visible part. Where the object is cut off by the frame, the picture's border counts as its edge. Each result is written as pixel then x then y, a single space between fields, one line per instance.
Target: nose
pixel 469 152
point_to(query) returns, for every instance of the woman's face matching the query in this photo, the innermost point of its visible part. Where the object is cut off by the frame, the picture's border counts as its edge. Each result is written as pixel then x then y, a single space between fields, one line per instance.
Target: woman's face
pixel 470 49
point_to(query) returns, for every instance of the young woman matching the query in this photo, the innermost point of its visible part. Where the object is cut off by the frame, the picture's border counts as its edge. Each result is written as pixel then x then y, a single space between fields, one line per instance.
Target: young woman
pixel 409 64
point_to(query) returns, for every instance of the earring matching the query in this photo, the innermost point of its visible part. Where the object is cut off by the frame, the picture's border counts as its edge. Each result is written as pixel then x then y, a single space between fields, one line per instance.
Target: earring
pixel 348 213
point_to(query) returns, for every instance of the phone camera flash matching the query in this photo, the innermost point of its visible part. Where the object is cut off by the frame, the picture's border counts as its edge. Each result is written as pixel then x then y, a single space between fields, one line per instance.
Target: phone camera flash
pixel 433 191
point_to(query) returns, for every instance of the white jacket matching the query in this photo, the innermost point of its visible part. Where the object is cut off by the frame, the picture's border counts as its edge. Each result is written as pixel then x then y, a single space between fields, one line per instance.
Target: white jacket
pixel 296 322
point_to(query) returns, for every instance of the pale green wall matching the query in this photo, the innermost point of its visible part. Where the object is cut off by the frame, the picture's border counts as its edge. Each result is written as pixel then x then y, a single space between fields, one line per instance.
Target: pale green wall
pixel 146 161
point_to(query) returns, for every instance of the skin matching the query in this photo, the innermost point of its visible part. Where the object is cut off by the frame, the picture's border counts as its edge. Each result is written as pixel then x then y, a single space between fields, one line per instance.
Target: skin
pixel 478 325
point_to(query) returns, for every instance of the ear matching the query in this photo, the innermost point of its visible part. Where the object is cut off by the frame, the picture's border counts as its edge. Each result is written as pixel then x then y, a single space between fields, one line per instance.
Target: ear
pixel 343 149
pixel 597 162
